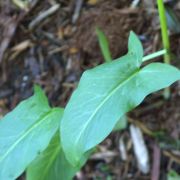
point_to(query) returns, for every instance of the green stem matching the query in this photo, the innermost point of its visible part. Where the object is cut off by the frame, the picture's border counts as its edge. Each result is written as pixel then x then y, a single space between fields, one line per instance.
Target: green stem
pixel 154 55
pixel 164 30
pixel 165 38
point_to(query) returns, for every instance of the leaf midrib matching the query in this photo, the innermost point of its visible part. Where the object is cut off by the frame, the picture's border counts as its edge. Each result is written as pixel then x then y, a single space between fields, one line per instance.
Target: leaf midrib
pixel 40 120
pixel 104 101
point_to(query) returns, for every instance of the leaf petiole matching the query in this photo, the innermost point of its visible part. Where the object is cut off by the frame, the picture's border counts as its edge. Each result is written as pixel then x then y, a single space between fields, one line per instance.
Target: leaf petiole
pixel 154 55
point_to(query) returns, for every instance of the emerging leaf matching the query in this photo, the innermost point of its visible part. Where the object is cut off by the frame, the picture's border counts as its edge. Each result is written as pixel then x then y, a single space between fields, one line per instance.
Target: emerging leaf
pixel 25 132
pixel 105 94
pixel 104 45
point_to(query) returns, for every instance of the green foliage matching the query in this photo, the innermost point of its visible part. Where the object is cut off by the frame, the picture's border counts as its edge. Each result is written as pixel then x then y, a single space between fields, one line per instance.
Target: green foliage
pixel 105 93
pixel 25 132
pixel 29 135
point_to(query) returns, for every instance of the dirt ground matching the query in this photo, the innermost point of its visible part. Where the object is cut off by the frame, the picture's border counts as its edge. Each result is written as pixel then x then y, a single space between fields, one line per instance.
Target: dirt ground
pixel 53 52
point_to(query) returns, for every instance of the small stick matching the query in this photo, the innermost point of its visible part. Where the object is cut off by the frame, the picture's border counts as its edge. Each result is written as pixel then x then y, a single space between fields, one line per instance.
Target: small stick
pixel 155 172
pixel 77 11
pixel 43 16
pixel 172 156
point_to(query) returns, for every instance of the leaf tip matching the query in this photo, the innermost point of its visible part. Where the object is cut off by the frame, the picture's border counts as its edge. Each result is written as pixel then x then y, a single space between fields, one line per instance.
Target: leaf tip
pixel 135 47
pixel 132 33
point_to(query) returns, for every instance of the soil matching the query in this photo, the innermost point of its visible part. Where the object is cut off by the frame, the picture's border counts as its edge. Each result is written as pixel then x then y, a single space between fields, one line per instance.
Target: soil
pixel 59 49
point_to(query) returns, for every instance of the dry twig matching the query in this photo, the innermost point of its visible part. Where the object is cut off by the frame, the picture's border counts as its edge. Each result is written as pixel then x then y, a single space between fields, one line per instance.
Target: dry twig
pixel 43 15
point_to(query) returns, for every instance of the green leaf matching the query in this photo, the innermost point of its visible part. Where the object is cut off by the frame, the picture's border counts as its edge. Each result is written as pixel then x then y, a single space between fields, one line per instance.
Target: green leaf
pixel 25 132
pixel 105 94
pixel 90 100
pixel 51 164
pixel 104 45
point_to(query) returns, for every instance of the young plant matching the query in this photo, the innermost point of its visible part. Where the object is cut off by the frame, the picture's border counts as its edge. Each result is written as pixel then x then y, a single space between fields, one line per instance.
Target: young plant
pixel 29 135
pixel 104 94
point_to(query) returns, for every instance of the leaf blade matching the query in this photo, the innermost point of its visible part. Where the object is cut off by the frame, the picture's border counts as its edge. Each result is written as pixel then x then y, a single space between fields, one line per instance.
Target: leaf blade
pixel 106 79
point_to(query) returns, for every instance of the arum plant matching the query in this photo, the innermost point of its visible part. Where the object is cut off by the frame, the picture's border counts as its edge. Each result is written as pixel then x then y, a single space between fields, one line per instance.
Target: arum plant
pixel 104 94
pixel 52 143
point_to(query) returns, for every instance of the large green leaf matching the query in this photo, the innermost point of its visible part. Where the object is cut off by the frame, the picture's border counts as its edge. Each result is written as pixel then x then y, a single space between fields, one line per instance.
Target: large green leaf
pixel 51 164
pixel 88 100
pixel 105 94
pixel 25 132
